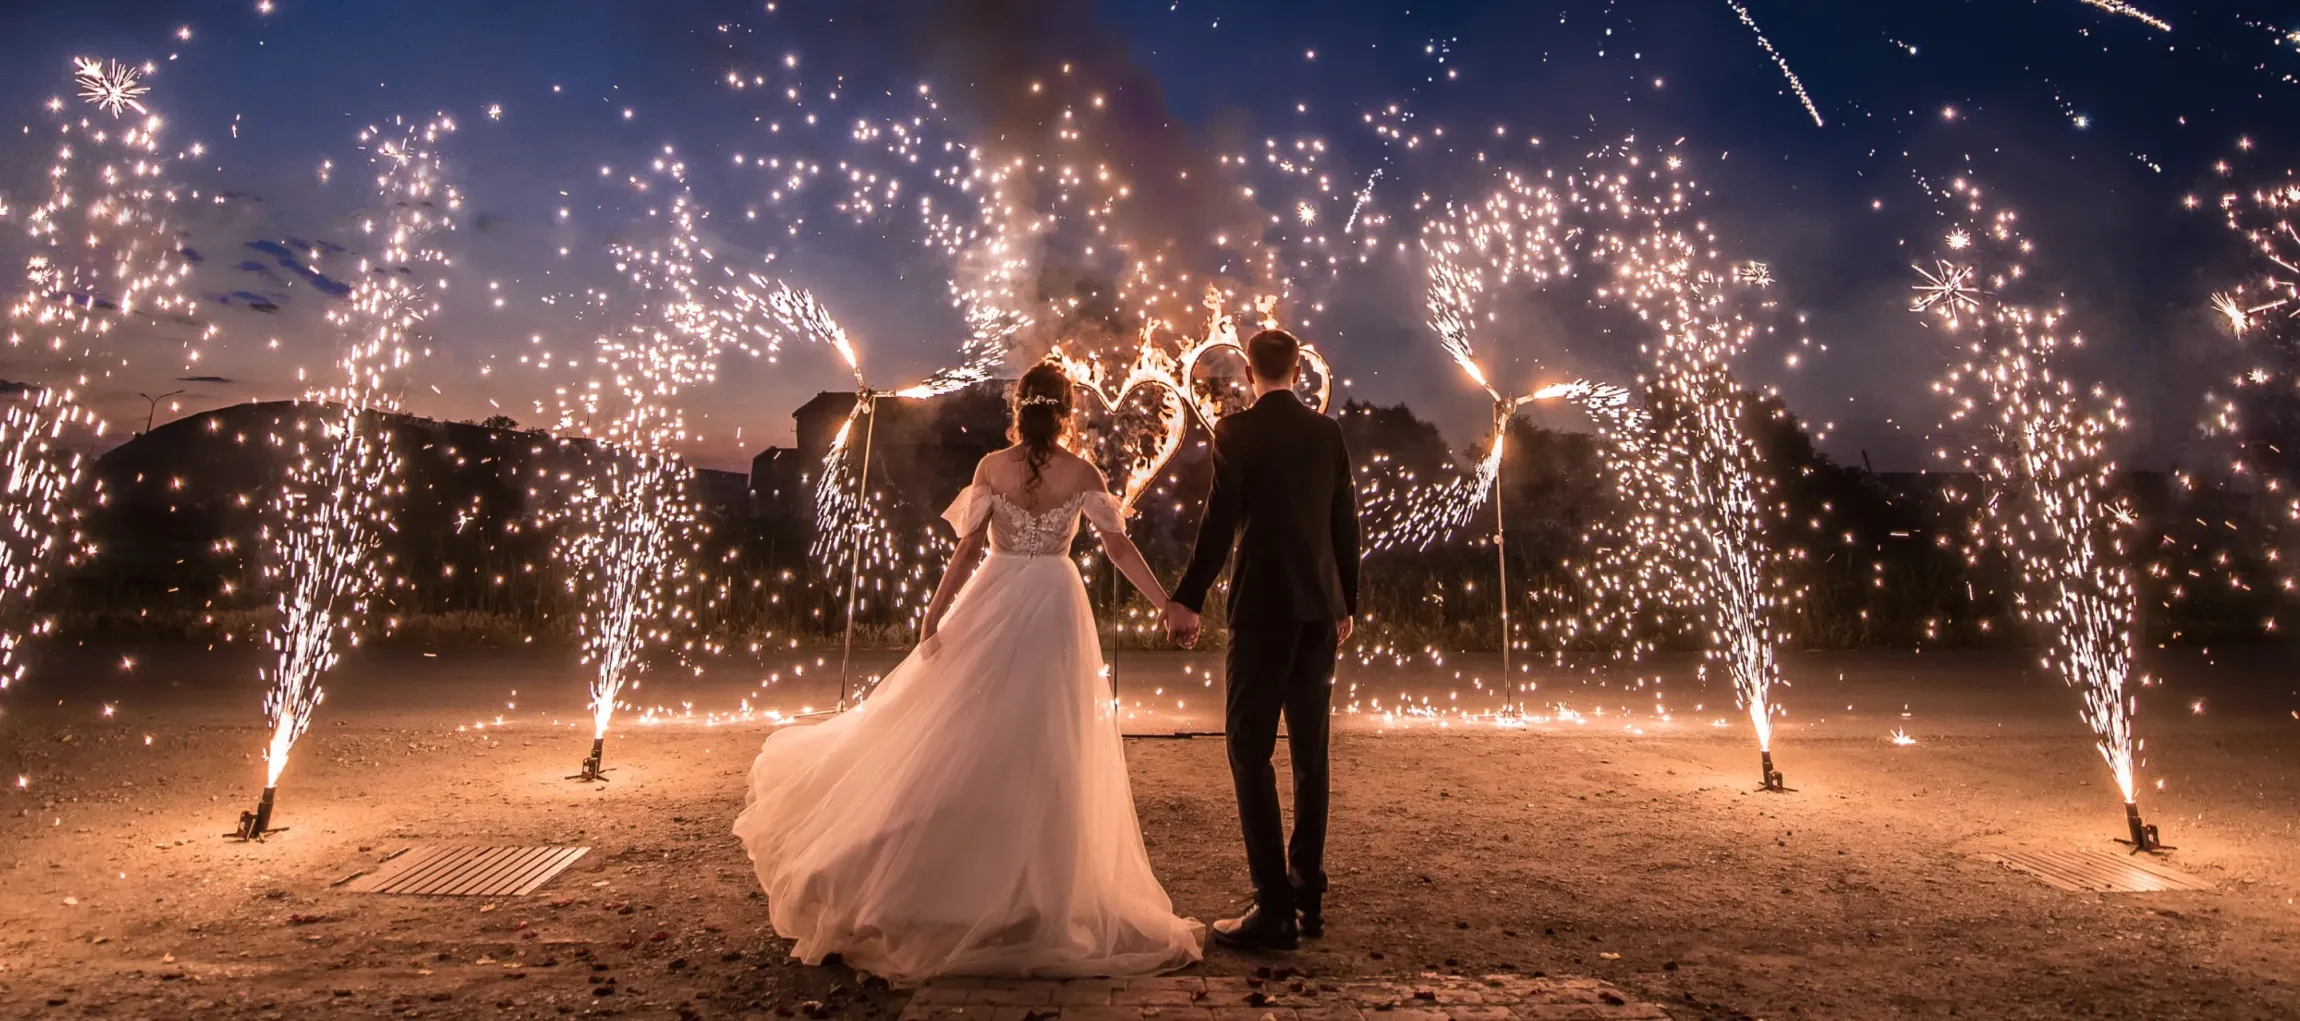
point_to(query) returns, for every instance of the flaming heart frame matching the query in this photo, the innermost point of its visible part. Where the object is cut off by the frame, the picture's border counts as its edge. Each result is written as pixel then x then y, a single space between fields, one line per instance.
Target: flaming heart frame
pixel 1154 370
pixel 1222 334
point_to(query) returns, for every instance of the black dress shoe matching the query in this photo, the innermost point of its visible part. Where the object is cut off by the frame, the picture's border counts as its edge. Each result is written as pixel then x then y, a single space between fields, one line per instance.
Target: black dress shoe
pixel 1313 915
pixel 1259 930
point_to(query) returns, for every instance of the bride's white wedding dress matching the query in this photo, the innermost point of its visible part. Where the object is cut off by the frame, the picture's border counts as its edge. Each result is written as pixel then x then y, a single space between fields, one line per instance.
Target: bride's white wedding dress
pixel 973 816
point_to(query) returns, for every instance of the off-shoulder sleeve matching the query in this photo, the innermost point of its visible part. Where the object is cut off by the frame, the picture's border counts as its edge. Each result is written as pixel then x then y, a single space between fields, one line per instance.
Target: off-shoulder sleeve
pixel 969 511
pixel 1103 510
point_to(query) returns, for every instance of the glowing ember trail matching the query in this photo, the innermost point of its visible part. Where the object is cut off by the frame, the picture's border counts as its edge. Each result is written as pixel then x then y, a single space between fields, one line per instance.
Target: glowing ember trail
pixel 331 510
pixel 1795 84
pixel 2135 13
pixel 2039 442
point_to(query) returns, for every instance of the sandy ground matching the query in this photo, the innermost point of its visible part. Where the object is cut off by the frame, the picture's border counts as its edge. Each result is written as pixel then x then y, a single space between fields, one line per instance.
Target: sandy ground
pixel 1619 839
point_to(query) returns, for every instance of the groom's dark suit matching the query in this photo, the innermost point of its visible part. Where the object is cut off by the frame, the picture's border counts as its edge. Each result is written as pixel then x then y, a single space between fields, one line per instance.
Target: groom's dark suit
pixel 1282 478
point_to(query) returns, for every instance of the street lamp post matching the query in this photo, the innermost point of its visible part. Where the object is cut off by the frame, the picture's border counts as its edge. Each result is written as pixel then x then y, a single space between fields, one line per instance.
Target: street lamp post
pixel 154 409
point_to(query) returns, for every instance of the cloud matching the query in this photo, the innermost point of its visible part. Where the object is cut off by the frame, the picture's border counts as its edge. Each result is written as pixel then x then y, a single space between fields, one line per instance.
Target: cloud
pixel 249 300
pixel 12 388
pixel 288 260
pixel 261 270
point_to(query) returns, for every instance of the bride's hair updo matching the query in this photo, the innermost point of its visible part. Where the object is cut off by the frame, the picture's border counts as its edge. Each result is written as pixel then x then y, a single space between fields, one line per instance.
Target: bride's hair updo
pixel 1041 413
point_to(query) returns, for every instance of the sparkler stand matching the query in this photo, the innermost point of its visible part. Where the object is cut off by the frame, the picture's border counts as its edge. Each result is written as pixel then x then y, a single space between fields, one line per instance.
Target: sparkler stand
pixel 255 825
pixel 1773 780
pixel 1503 411
pixel 869 398
pixel 2144 836
pixel 590 769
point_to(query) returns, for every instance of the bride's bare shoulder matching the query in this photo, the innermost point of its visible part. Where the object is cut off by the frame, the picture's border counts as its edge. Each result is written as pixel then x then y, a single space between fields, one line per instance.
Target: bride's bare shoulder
pixel 1069 467
pixel 995 466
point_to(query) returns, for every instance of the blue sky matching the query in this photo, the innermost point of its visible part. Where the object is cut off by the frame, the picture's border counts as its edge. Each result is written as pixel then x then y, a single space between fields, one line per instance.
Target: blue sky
pixel 2094 124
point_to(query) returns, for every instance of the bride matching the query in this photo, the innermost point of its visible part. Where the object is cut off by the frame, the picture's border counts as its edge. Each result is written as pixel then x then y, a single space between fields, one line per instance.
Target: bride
pixel 973 817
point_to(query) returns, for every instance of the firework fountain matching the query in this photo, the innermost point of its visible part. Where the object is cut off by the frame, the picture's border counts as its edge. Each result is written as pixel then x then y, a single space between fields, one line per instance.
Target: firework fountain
pixel 628 531
pixel 2039 442
pixel 104 259
pixel 1684 466
pixel 330 513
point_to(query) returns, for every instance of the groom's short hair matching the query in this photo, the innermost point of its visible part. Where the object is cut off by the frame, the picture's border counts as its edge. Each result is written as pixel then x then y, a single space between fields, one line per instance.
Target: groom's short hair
pixel 1274 354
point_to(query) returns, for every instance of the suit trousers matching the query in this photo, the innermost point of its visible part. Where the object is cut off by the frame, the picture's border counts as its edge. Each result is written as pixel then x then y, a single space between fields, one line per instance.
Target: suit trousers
pixel 1282 671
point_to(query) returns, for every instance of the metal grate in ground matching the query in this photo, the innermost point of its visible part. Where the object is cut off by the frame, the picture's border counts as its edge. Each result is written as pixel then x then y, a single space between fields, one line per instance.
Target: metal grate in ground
pixel 449 871
pixel 2093 871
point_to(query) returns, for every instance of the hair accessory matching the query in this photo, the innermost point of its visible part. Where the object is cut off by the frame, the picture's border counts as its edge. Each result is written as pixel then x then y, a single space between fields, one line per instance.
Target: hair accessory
pixel 1034 400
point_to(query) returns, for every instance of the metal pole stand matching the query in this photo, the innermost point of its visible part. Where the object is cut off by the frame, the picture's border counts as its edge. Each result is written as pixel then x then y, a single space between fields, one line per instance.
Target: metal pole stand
pixel 869 398
pixel 254 825
pixel 1773 781
pixel 590 770
pixel 2144 835
pixel 1502 411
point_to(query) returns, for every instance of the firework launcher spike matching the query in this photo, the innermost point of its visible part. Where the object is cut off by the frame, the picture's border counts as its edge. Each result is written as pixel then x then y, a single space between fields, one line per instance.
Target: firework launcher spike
pixel 868 398
pixel 591 769
pixel 257 824
pixel 2144 835
pixel 1503 411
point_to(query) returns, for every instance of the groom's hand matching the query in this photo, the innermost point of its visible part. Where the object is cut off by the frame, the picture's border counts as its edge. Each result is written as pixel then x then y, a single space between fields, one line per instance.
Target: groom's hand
pixel 1182 625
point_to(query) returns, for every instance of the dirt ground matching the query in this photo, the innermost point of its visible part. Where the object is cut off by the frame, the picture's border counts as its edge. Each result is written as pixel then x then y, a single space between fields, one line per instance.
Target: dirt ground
pixel 1609 841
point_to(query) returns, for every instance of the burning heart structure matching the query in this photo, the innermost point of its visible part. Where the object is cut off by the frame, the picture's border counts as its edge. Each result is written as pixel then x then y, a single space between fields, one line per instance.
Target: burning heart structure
pixel 1173 382
pixel 1221 341
pixel 1154 372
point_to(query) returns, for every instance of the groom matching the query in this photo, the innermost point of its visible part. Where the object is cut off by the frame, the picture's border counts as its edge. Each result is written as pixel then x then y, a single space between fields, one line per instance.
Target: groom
pixel 1282 477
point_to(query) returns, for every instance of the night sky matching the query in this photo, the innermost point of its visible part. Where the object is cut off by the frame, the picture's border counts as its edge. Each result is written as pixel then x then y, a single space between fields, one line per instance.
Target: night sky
pixel 2093 124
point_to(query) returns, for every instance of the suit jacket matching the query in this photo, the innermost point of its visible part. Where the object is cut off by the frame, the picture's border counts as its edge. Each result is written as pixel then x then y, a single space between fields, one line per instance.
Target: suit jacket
pixel 1283 495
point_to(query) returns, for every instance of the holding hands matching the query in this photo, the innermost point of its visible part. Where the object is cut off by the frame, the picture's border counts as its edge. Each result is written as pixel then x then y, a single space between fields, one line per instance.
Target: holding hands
pixel 1181 625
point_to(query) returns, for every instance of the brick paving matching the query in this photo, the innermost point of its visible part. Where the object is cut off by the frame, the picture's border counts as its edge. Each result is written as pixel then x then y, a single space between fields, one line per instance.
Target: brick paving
pixel 1179 998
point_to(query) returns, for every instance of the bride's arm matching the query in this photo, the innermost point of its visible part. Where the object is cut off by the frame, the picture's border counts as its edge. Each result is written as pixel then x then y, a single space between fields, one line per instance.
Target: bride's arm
pixel 963 561
pixel 1127 557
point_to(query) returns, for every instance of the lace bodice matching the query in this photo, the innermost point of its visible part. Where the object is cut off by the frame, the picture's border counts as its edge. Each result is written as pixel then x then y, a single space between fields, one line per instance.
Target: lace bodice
pixel 1018 532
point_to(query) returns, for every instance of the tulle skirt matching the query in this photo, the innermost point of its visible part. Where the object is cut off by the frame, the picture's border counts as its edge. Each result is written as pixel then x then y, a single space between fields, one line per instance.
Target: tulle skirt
pixel 973 816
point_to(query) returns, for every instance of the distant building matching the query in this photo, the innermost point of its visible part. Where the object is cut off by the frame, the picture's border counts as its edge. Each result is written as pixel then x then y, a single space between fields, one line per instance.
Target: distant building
pixel 724 493
pixel 922 450
pixel 778 487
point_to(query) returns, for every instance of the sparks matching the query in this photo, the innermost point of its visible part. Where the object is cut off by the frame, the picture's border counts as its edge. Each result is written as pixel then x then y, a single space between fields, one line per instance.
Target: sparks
pixel 2040 445
pixel 330 512
pixel 1946 289
pixel 103 255
pixel 112 86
